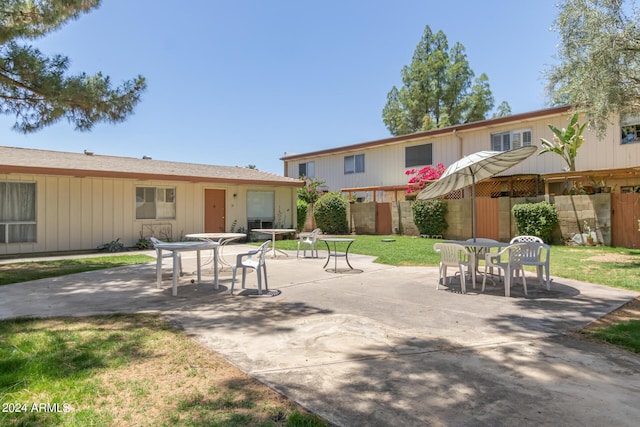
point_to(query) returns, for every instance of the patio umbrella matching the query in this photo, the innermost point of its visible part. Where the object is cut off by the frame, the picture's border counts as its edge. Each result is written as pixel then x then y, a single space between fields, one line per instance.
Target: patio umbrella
pixel 472 169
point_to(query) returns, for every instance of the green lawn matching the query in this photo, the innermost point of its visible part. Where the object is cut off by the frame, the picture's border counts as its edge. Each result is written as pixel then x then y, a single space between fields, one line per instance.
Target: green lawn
pixel 25 271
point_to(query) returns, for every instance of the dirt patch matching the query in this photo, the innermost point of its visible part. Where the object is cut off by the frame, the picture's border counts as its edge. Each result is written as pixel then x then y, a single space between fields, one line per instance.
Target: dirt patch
pixel 629 311
pixel 614 258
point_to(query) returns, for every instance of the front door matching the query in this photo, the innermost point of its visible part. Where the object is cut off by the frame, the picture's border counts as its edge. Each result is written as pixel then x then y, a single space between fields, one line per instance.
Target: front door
pixel 214 211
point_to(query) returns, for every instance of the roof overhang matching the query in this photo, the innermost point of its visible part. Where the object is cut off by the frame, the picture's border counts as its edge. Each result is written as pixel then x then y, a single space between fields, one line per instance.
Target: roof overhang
pixel 434 132
pixel 85 173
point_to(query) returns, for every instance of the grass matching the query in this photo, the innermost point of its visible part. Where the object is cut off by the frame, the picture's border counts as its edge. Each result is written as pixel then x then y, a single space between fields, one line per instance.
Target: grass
pixel 129 370
pixel 625 335
pixel 26 271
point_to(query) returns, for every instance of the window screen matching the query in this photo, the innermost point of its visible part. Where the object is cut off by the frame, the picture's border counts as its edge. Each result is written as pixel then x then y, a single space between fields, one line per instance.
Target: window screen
pixel 260 205
pixel 354 164
pixel 418 155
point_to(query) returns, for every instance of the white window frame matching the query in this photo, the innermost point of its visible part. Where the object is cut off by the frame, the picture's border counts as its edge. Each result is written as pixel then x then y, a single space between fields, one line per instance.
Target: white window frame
pixel 354 164
pixel 164 202
pixel 310 169
pixel 510 140
pixel 629 129
pixel 8 225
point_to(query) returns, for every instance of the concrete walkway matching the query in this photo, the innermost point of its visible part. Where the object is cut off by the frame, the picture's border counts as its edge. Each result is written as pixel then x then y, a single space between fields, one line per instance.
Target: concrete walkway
pixel 380 345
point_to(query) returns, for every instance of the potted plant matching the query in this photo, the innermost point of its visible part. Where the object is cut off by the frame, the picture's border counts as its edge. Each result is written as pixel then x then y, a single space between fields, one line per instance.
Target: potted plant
pixel 587 230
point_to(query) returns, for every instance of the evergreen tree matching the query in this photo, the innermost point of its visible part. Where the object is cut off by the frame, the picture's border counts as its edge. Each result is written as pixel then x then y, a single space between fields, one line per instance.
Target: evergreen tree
pixel 503 110
pixel 35 88
pixel 438 89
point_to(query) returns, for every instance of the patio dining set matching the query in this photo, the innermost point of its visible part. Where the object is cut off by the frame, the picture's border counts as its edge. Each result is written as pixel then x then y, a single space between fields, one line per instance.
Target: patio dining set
pixel 250 260
pixel 501 261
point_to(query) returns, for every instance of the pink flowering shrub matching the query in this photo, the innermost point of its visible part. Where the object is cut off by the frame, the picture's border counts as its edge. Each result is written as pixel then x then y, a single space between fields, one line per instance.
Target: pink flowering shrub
pixel 311 191
pixel 419 179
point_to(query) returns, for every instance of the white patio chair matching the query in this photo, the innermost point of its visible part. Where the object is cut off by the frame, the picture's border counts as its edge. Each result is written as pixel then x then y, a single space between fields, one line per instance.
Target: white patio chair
pixel 526 239
pixel 308 240
pixel 155 241
pixel 510 261
pixel 254 259
pixel 538 255
pixel 455 255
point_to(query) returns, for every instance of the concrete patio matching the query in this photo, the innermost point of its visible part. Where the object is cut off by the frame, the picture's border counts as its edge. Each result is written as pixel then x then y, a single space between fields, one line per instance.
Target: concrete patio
pixel 380 345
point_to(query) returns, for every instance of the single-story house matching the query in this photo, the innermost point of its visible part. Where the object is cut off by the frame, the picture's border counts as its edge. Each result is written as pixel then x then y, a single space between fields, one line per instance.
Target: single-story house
pixel 53 201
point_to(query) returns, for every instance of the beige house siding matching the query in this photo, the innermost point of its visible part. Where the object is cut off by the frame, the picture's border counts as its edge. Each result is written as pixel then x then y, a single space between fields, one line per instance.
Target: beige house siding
pixel 81 213
pixel 385 159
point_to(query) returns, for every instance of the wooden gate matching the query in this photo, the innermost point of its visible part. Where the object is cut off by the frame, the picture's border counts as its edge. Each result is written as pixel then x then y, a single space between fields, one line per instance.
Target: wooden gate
pixel 487 218
pixel 383 218
pixel 625 214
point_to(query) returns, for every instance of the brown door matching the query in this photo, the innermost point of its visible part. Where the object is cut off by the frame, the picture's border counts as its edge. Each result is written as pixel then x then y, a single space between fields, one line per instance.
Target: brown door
pixel 487 218
pixel 625 214
pixel 214 211
pixel 383 218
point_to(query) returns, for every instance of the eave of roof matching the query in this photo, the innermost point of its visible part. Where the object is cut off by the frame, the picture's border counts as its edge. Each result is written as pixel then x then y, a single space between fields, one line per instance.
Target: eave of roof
pixel 46 162
pixel 433 132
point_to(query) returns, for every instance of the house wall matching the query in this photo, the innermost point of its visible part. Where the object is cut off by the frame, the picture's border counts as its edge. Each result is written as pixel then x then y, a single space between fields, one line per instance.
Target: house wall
pixel 384 163
pixel 81 213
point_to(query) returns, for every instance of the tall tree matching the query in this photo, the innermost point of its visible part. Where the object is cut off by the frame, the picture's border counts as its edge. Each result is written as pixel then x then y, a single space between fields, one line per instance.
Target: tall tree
pixel 36 89
pixel 503 110
pixel 599 54
pixel 438 89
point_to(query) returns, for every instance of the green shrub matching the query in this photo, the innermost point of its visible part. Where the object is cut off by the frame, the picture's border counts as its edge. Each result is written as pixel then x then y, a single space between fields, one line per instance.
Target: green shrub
pixel 302 208
pixel 144 244
pixel 330 213
pixel 536 219
pixel 429 216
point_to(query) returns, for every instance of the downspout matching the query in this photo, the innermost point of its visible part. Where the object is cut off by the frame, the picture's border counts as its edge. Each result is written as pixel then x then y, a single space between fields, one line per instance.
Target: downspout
pixel 455 133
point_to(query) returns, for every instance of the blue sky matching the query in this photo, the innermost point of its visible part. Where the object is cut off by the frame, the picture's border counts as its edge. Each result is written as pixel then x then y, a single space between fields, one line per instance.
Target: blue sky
pixel 241 82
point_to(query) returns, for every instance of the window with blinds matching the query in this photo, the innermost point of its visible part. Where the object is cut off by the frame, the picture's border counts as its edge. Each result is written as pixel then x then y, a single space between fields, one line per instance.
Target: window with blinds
pixel 505 141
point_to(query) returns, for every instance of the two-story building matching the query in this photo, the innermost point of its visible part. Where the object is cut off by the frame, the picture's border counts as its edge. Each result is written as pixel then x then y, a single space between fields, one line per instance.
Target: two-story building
pixel 378 167
pixel 375 170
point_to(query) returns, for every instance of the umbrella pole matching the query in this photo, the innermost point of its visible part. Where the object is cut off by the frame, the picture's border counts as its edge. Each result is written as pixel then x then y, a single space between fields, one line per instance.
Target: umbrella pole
pixel 473 206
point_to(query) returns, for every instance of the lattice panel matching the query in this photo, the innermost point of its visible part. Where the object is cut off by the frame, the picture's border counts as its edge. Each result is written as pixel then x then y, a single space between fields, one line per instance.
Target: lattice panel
pixel 529 187
pixel 458 194
pixel 525 188
pixel 488 188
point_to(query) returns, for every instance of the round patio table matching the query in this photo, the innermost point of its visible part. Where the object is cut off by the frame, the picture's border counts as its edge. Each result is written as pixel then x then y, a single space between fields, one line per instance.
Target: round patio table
pixel 335 254
pixel 222 238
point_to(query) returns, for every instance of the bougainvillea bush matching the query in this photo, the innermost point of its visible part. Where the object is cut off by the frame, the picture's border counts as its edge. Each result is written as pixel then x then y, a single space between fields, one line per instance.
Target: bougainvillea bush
pixel 311 192
pixel 420 178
